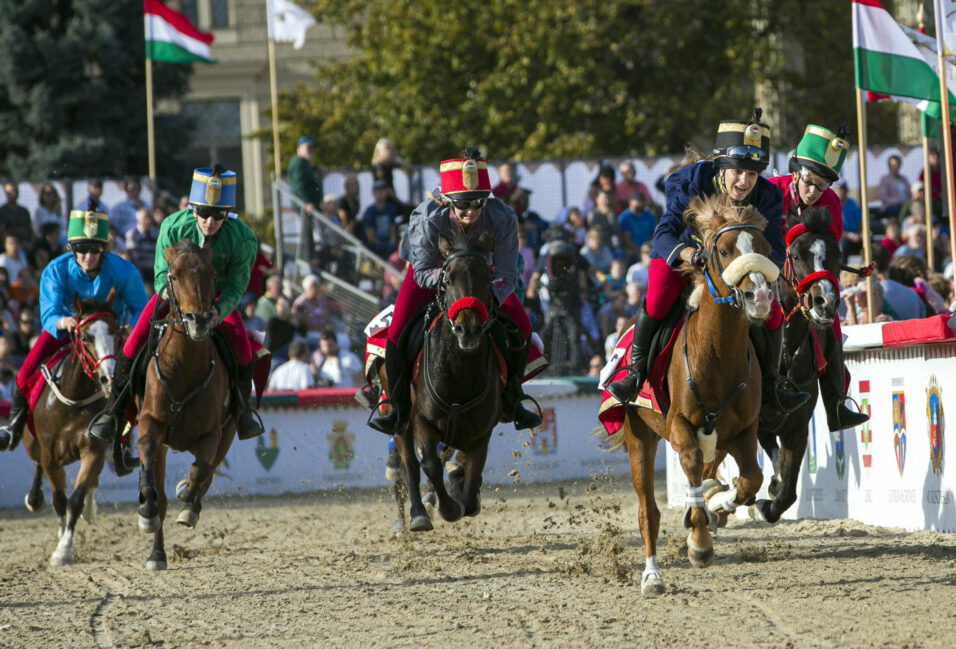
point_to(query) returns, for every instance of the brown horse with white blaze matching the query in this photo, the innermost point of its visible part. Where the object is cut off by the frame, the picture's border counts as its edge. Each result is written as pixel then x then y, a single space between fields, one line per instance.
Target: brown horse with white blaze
pixel 185 405
pixel 714 382
pixel 66 404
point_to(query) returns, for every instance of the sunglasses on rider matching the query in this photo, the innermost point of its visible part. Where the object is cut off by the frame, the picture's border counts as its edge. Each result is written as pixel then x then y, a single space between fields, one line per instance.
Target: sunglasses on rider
pixel 742 152
pixel 86 248
pixel 213 213
pixel 462 204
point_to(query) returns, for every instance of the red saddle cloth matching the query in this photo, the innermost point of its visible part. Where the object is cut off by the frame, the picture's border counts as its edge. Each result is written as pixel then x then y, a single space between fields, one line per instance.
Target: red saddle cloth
pixel 653 395
pixel 33 386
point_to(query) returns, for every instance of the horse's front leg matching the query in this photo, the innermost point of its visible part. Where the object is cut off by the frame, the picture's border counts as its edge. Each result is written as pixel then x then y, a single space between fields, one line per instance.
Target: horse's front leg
pixel 151 437
pixel 743 448
pixel 474 466
pixel 157 556
pixel 450 509
pixel 91 463
pixel 789 459
pixel 34 498
pixel 205 454
pixel 683 437
pixel 189 517
pixel 405 440
pixel 641 449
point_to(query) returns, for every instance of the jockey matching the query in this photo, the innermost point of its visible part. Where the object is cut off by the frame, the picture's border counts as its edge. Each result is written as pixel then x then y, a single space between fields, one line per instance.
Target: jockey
pixel 206 222
pixel 741 152
pixel 814 166
pixel 462 205
pixel 87 271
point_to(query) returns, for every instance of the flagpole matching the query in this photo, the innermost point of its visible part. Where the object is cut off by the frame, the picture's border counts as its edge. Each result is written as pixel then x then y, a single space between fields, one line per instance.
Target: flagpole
pixel 864 203
pixel 927 203
pixel 947 132
pixel 150 135
pixel 273 90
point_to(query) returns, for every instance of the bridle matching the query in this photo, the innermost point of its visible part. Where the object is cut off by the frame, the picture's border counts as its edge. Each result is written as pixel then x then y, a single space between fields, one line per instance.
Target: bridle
pixel 802 286
pixel 169 295
pixel 467 302
pixel 87 361
pixel 736 297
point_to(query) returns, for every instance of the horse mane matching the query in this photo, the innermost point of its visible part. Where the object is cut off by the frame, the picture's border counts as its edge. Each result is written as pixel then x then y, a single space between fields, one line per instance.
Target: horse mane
pixel 816 219
pixel 186 245
pixel 708 214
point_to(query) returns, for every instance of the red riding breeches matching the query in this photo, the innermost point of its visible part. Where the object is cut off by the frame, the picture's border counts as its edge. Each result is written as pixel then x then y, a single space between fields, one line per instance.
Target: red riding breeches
pixel 45 346
pixel 412 298
pixel 231 326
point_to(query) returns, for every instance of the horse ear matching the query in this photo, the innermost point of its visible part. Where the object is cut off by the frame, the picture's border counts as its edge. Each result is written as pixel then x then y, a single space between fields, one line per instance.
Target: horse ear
pixel 111 297
pixel 792 219
pixel 77 307
pixel 444 246
pixel 169 253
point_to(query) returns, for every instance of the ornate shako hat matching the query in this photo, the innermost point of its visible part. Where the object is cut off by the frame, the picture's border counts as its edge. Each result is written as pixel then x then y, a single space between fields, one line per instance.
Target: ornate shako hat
pixel 743 144
pixel 466 178
pixel 214 187
pixel 87 225
pixel 821 151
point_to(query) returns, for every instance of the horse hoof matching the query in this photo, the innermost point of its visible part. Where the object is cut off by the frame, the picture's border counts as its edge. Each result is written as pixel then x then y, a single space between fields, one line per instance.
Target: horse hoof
pixel 156 564
pixel 477 507
pixel 61 558
pixel 188 518
pixel 36 505
pixel 652 585
pixel 762 511
pixel 421 524
pixel 150 525
pixel 398 528
pixel 455 514
pixel 712 487
pixel 721 519
pixel 699 558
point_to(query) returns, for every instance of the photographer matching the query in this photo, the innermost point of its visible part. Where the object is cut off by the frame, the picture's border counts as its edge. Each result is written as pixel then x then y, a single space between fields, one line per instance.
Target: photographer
pixel 335 368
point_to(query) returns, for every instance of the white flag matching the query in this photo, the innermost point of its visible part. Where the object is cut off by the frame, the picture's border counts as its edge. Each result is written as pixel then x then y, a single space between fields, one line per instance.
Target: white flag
pixel 947 9
pixel 288 23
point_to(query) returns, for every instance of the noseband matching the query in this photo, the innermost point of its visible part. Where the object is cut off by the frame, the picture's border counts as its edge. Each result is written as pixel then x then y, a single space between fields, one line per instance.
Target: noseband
pixel 87 361
pixel 802 286
pixel 467 302
pixel 736 297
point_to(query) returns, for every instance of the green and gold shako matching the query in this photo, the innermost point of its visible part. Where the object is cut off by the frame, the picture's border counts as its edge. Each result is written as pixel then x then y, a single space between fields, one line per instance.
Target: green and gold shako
pixel 821 151
pixel 88 226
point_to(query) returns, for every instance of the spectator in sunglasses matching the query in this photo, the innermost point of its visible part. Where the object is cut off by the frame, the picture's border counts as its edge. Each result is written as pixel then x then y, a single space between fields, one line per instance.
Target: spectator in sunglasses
pixel 86 271
pixel 461 205
pixel 207 222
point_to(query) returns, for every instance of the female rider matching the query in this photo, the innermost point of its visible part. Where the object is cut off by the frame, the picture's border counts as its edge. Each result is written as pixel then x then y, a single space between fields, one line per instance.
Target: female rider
pixel 87 271
pixel 740 154
pixel 462 205
pixel 207 222
pixel 814 166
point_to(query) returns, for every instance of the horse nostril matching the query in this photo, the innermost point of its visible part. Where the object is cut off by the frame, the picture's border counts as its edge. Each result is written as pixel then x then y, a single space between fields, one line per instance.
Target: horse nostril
pixel 459 330
pixel 750 296
pixel 819 302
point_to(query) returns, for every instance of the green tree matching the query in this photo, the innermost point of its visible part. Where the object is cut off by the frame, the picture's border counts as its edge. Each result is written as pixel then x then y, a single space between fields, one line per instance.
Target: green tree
pixel 528 79
pixel 72 91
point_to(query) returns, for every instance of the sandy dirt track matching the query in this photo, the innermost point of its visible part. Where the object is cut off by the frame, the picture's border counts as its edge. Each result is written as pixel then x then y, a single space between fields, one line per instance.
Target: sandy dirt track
pixel 555 565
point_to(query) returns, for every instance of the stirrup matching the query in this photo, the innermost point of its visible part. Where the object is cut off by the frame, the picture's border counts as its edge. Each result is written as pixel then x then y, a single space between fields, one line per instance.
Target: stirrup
pixel 251 413
pixel 539 415
pixel 95 428
pixel 784 382
pixel 376 425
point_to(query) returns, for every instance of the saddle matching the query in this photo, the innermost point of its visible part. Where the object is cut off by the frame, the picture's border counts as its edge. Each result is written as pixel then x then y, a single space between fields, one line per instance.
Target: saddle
pixel 50 372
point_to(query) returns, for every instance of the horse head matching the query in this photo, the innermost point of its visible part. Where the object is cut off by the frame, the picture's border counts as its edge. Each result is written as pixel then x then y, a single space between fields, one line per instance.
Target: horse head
pixel 191 287
pixel 813 263
pixel 464 289
pixel 97 337
pixel 737 253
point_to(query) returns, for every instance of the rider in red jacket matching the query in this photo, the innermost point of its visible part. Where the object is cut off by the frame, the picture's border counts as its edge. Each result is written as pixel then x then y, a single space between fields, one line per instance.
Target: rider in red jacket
pixel 814 166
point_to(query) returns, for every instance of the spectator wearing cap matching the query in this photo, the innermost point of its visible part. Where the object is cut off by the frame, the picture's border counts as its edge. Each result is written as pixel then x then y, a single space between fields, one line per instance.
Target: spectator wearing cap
pixel 627 187
pixel 334 366
pixel 305 187
pixel 852 240
pixel 636 223
pixel 378 221
pixel 296 373
pixel 94 192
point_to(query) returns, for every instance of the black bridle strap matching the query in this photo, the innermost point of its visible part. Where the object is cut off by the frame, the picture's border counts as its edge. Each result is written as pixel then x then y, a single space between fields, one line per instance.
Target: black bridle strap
pixel 711 414
pixel 734 298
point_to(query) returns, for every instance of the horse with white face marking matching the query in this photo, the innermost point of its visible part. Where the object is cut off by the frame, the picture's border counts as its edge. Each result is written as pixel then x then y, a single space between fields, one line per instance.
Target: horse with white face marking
pixel 714 381
pixel 61 415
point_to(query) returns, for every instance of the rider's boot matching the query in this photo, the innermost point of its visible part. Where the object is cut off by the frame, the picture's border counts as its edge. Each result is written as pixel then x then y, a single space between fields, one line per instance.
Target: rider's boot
pixel 833 393
pixel 106 424
pixel 511 407
pixel 777 400
pixel 249 424
pixel 624 390
pixel 11 434
pixel 399 395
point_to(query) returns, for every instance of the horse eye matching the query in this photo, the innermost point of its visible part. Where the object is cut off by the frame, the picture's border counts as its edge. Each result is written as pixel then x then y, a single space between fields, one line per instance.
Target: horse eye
pixel 724 253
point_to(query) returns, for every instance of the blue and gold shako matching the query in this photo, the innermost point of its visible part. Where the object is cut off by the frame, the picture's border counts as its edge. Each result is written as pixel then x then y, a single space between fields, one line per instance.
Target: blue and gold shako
pixel 214 187
pixel 88 226
pixel 743 144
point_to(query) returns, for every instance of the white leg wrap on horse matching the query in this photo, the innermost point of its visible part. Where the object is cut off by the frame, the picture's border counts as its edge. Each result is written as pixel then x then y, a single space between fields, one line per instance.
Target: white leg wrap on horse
pixel 694 498
pixel 725 500
pixel 708 444
pixel 650 566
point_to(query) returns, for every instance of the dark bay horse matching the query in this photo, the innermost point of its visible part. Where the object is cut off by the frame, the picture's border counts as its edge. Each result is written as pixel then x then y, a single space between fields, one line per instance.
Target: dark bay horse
pixel 457 397
pixel 64 410
pixel 714 381
pixel 810 300
pixel 185 405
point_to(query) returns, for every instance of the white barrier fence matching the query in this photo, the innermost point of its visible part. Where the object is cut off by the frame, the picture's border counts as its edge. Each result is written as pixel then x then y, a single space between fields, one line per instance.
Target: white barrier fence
pixel 318 448
pixel 891 471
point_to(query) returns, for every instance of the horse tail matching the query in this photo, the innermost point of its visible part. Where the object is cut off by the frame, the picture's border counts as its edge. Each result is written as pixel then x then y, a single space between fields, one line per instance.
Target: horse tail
pixel 616 439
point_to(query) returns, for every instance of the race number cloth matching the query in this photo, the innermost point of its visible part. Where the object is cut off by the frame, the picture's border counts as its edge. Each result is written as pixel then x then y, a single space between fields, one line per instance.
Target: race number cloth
pixel 652 395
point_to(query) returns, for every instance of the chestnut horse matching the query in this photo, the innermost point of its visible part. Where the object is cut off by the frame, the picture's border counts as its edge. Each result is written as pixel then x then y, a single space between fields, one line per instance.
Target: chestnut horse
pixel 810 301
pixel 714 383
pixel 185 405
pixel 457 397
pixel 62 413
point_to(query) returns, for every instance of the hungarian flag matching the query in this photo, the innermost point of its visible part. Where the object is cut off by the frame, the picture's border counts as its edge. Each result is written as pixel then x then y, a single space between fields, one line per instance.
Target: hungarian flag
pixel 893 60
pixel 171 38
